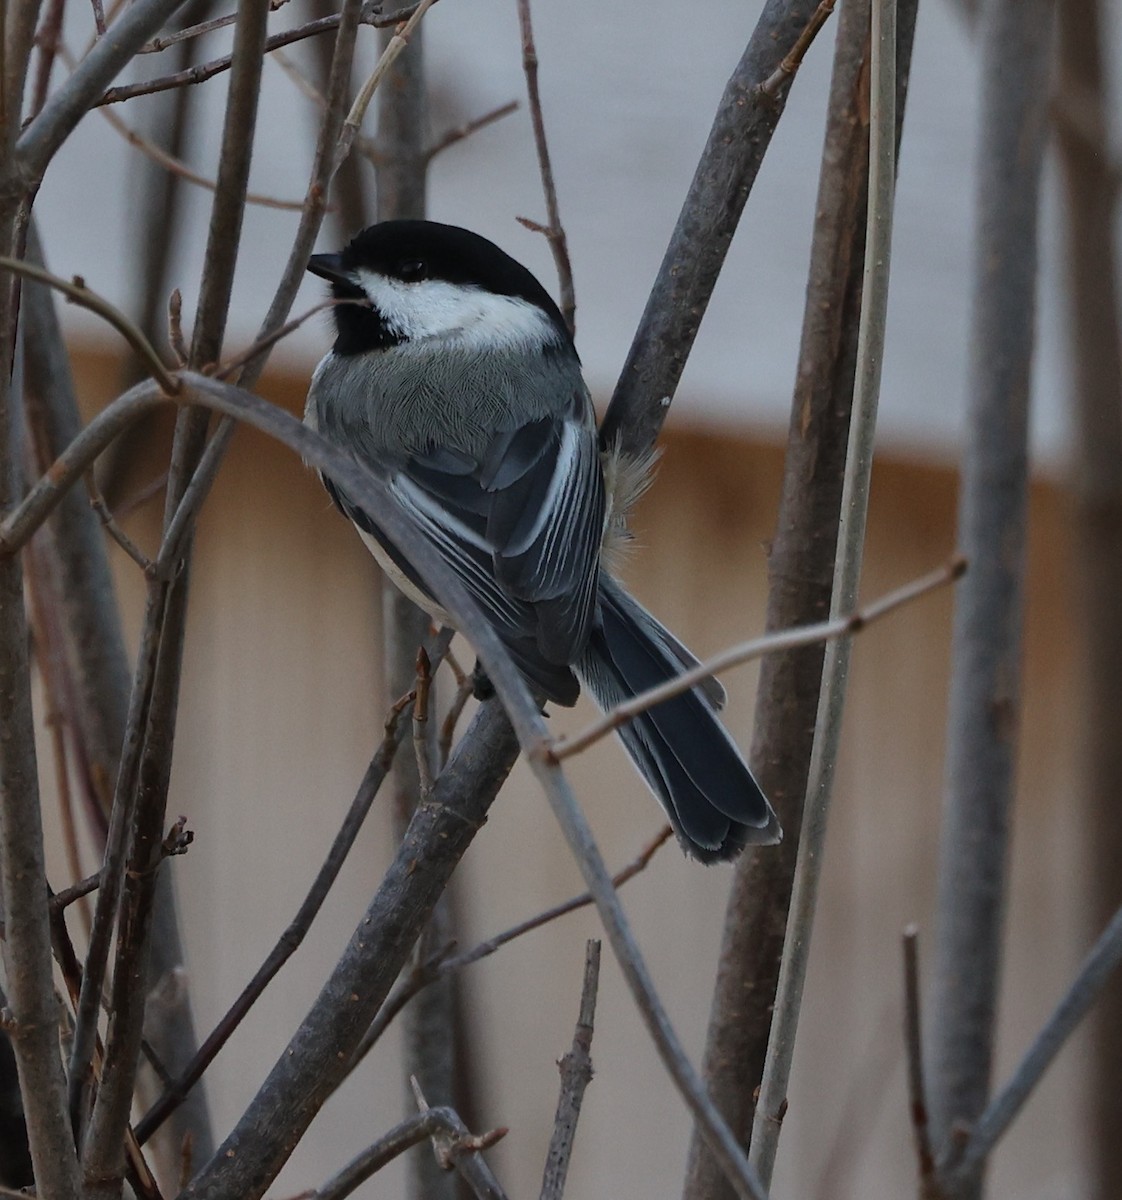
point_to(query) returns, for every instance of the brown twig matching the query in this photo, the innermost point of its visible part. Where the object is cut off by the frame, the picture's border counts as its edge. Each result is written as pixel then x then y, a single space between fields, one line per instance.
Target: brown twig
pixel 67 896
pixel 554 231
pixel 409 1133
pixel 464 691
pixel 298 927
pixel 444 961
pixel 451 136
pixel 793 60
pixel 99 505
pixel 913 1043
pixel 76 291
pixel 178 167
pixel 455 1147
pixel 576 1075
pixel 747 651
pixel 204 71
pixel 421 722
pixel 175 328
pixel 393 50
pixel 158 44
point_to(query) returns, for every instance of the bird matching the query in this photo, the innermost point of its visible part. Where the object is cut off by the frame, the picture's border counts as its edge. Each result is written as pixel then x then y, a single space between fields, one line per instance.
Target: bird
pixel 453 374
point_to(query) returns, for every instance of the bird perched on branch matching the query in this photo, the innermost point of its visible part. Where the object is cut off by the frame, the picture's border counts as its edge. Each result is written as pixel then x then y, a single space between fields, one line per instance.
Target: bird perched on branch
pixel 455 376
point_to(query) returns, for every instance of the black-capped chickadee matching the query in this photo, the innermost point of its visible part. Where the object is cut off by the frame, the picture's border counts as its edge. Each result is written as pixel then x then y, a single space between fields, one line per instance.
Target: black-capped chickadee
pixel 457 378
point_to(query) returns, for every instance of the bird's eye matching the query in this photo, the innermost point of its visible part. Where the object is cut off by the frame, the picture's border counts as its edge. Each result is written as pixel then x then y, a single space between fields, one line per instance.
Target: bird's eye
pixel 413 270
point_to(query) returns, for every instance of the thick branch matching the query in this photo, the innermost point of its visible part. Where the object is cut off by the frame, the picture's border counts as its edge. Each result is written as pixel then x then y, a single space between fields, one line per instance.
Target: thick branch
pixel 316 1058
pixel 986 641
pixel 746 118
pixel 800 571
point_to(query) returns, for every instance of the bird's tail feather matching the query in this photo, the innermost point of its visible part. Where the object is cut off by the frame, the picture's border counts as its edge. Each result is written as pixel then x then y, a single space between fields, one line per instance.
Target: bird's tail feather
pixel 680 747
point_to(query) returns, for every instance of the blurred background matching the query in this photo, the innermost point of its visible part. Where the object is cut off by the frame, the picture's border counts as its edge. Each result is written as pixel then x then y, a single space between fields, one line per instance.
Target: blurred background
pixel 282 706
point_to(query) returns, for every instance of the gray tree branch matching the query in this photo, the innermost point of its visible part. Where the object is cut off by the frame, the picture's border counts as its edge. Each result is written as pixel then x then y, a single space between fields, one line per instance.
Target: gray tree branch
pixel 1016 49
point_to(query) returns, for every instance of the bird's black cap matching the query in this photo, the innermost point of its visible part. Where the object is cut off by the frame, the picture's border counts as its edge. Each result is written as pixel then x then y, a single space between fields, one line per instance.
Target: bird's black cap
pixel 417 250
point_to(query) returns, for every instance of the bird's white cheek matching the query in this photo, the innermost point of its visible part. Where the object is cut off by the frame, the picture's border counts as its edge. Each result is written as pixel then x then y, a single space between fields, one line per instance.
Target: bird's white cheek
pixel 434 308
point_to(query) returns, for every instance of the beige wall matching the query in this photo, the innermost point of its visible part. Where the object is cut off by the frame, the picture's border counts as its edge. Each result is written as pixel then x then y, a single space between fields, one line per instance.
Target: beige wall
pixel 280 711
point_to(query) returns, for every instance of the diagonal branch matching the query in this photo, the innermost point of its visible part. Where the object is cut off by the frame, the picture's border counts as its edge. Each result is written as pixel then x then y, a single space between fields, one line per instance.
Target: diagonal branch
pixel 746 118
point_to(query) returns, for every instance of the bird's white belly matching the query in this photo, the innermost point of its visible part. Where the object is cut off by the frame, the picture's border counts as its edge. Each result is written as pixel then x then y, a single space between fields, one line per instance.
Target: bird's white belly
pixel 402 581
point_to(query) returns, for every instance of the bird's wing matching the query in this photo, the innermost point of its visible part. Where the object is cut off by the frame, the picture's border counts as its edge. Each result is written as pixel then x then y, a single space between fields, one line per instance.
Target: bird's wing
pixel 521 524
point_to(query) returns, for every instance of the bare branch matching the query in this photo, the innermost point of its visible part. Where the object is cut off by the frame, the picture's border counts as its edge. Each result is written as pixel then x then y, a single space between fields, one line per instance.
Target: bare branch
pixel 984 709
pixel 769 643
pixel 76 291
pixel 444 962
pixel 847 576
pixel 396 46
pixel 74 461
pixel 409 1133
pixel 791 62
pixel 178 167
pixel 800 570
pixel 455 1147
pixel 293 935
pixel 109 523
pixel 913 1043
pixel 554 231
pixel 63 110
pixel 451 136
pixel 745 120
pixel 315 1060
pixel 204 71
pixel 1094 973
pixel 576 1075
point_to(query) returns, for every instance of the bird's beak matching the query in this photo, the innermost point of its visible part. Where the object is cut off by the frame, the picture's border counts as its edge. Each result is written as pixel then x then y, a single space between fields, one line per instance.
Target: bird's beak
pixel 330 267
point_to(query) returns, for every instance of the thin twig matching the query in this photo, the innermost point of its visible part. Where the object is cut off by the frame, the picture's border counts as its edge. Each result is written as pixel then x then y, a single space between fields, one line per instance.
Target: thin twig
pixel 576 1075
pixel 298 927
pixel 409 1133
pixel 1016 56
pixel 824 631
pixel 464 691
pixel 74 461
pixel 66 106
pixel 421 722
pixel 396 46
pixel 1094 973
pixel 444 961
pixel 48 39
pixel 67 896
pixel 554 231
pixel 451 136
pixel 178 167
pixel 157 44
pixel 204 71
pixel 455 1147
pixel 913 1043
pixel 772 1101
pixel 76 291
pixel 793 60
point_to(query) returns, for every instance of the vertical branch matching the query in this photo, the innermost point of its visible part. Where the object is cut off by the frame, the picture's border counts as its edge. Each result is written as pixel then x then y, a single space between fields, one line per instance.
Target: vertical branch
pixel 33 1013
pixel 847 576
pixel 800 571
pixel 431 1025
pixel 986 642
pixel 554 230
pixel 741 133
pixel 1091 190
pixel 104 1147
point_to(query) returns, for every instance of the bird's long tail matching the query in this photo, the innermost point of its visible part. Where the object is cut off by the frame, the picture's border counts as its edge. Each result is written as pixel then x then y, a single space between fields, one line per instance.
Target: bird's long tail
pixel 680 747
